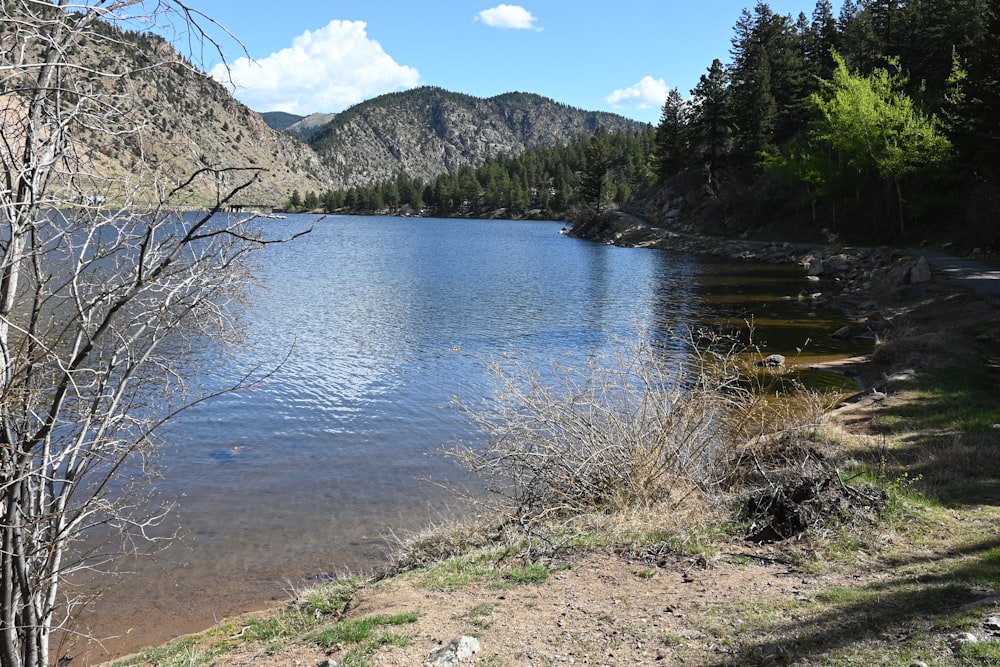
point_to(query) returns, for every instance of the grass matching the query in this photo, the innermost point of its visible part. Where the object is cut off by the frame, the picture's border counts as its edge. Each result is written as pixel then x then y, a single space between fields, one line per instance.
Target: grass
pixel 358 630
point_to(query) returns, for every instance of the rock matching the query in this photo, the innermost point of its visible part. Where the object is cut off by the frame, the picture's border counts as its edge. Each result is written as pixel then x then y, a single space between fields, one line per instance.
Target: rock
pixel 901 377
pixel 843 332
pixel 918 663
pixel 992 625
pixel 962 638
pixel 813 266
pixel 772 361
pixel 329 662
pixel 769 652
pixel 454 653
pixel 920 272
pixel 812 279
pixel 837 264
pixel 690 633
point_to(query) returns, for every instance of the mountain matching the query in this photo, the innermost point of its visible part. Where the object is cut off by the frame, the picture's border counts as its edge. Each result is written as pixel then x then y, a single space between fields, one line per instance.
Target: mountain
pixel 306 127
pixel 428 131
pixel 179 121
pixel 280 120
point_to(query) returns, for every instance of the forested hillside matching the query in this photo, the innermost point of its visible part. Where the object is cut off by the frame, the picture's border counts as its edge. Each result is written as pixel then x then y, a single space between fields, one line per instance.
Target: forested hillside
pixel 878 122
pixel 542 183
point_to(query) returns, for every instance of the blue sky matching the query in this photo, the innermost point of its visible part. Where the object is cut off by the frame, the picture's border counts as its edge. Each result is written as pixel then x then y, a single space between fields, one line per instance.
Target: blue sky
pixel 622 56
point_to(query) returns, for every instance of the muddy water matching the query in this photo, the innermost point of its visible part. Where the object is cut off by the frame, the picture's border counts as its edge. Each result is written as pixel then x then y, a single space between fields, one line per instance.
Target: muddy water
pixel 380 322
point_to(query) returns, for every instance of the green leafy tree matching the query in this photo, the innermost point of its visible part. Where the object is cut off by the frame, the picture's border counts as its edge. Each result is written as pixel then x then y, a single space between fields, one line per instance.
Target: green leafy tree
pixel 872 124
pixel 311 201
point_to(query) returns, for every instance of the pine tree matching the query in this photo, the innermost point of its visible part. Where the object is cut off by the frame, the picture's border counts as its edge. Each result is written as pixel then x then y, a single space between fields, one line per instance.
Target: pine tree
pixel 672 149
pixel 712 123
pixel 595 185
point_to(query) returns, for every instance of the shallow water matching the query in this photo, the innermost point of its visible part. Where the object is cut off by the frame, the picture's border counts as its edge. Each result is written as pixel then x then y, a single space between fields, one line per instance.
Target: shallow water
pixel 380 322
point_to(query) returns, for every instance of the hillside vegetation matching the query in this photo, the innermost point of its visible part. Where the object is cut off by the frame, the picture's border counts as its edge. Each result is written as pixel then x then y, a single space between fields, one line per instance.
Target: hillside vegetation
pixel 875 124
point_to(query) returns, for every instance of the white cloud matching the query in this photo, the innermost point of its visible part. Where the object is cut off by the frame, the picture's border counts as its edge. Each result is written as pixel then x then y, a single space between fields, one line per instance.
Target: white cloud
pixel 507 16
pixel 648 93
pixel 325 70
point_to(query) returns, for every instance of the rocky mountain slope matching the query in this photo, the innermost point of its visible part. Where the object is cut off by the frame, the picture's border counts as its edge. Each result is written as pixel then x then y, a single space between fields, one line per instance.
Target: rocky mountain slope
pixel 183 121
pixel 428 131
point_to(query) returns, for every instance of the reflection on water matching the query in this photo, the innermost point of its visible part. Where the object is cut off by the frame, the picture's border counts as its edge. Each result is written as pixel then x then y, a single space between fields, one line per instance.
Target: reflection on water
pixel 380 322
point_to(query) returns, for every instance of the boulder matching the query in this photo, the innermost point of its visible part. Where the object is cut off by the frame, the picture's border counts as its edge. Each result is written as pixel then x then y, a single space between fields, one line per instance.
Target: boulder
pixel 837 264
pixel 920 272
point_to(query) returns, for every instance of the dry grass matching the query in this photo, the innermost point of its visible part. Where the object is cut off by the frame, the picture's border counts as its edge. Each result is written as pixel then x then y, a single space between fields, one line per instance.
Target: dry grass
pixel 636 428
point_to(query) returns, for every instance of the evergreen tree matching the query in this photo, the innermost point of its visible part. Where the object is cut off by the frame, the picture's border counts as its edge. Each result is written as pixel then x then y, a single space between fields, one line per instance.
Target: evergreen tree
pixel 821 39
pixel 755 109
pixel 595 184
pixel 712 123
pixel 672 136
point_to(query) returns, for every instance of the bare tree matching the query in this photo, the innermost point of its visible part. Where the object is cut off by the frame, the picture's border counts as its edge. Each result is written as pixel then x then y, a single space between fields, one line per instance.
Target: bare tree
pixel 98 300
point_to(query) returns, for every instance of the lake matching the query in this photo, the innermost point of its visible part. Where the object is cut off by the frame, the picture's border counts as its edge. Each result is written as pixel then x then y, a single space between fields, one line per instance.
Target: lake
pixel 373 325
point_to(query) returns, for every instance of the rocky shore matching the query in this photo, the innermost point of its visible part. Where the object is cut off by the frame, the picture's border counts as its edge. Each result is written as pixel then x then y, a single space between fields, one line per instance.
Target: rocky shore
pixel 857 279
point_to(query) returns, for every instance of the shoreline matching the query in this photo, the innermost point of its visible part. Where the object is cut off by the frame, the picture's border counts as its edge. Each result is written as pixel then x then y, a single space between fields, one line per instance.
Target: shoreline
pixel 912 296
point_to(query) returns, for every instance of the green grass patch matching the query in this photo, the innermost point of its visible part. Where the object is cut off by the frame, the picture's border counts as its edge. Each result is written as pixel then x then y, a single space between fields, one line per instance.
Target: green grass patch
pixel 980 653
pixel 360 656
pixel 330 598
pixel 357 630
pixel 185 652
pixel 532 573
pixel 458 572
pixel 962 399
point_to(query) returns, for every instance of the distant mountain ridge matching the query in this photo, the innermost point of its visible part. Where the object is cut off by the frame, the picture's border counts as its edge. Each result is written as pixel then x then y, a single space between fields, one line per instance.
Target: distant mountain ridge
pixel 428 131
pixel 280 120
pixel 190 122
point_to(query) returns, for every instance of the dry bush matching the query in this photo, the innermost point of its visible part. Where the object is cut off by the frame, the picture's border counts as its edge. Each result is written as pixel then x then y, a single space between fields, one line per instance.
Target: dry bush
pixel 640 427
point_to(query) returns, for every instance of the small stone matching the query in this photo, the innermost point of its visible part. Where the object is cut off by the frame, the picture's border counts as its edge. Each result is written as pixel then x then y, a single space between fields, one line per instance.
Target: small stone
pixel 329 662
pixel 772 361
pixel 456 652
pixel 918 663
pixel 920 272
pixel 992 624
pixel 962 638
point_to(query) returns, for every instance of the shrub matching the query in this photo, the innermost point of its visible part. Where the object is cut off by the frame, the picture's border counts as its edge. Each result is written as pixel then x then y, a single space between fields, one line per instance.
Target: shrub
pixel 641 426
